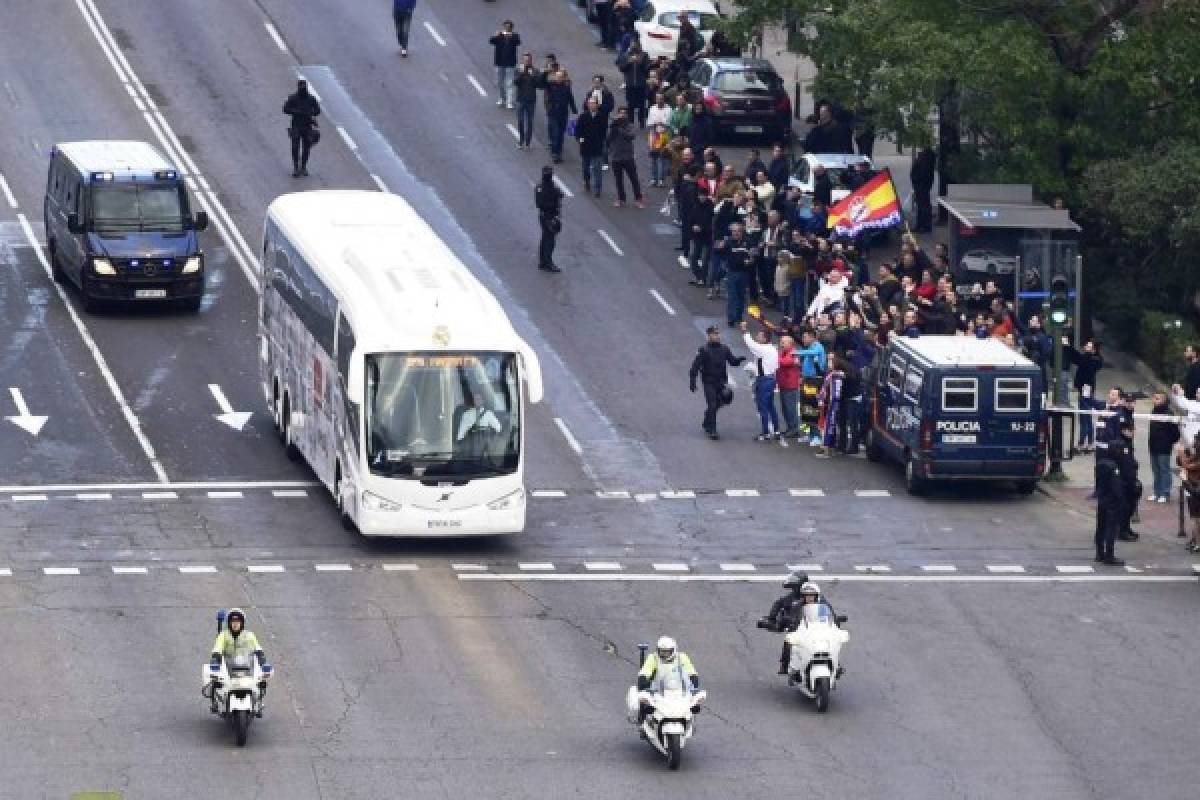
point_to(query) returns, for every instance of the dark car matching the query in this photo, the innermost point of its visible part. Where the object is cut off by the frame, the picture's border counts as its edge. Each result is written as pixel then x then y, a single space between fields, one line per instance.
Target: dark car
pixel 745 96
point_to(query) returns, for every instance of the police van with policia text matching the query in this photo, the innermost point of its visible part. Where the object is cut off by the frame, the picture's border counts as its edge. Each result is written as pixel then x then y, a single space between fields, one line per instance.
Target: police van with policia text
pixel 952 408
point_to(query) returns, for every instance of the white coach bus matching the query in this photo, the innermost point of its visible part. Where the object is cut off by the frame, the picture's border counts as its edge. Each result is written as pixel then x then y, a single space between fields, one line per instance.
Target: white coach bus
pixel 391 370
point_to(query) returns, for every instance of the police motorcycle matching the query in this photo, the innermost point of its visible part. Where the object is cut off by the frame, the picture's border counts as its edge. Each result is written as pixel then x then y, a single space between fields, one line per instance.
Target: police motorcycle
pixel 236 688
pixel 671 705
pixel 816 639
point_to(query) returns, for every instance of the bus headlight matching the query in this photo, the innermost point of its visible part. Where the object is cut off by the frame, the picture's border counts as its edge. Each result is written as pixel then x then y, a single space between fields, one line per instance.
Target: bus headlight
pixel 191 265
pixel 373 502
pixel 103 266
pixel 510 500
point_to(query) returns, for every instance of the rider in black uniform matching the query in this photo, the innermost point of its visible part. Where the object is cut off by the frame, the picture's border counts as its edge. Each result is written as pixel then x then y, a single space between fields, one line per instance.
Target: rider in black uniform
pixel 785 612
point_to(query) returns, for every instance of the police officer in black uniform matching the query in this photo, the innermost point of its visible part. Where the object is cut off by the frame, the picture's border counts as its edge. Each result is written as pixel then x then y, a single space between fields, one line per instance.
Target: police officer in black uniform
pixel 548 199
pixel 709 364
pixel 1111 505
pixel 304 109
pixel 1121 452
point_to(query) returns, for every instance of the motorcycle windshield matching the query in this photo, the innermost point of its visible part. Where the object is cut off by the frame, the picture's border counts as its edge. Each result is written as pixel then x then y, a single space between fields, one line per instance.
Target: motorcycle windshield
pixel 671 680
pixel 241 662
pixel 817 614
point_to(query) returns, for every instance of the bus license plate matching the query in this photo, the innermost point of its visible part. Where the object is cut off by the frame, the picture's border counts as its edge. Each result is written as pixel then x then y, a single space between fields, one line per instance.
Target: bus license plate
pixel 150 294
pixel 748 129
pixel 958 438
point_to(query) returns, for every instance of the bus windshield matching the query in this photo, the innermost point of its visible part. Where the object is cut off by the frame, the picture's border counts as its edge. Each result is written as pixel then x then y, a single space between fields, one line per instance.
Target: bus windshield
pixel 434 415
pixel 138 207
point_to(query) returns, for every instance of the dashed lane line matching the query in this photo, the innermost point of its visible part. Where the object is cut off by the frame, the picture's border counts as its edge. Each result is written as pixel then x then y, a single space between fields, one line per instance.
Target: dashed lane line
pixel 29 498
pixel 130 571
pixel 739 567
pixel 288 493
pixel 60 570
pixel 938 568
pixel 601 577
pixel 872 493
pixel 602 566
pixel 400 568
pixel 1005 569
pixel 260 569
pixel 479 88
pixel 5 572
pixel 806 492
pixel 346 138
pixel 666 306
pixel 670 567
pixel 334 568
pixel 562 187
pixel 198 569
pixel 572 442
pixel 677 494
pixel 805 568
pixel 226 495
pixel 513 130
pixel 1074 569
pixel 604 235
pixel 741 493
pixel 548 493
pixel 8 195
pixel 468 567
pixel 379 182
pixel 536 566
pixel 437 37
pixel 274 33
pixel 93 496
pixel 160 496
pixel 872 568
pixel 620 494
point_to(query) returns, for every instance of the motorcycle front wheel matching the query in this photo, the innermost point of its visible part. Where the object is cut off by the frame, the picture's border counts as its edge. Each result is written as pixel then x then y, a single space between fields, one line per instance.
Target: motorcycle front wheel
pixel 674 750
pixel 821 694
pixel 241 727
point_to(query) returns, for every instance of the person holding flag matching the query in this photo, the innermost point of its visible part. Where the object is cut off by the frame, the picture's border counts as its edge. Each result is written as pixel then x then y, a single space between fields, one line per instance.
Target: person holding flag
pixel 872 206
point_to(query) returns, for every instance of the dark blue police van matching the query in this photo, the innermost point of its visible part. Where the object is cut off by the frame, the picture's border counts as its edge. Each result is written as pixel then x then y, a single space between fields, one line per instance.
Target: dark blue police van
pixel 118 225
pixel 954 408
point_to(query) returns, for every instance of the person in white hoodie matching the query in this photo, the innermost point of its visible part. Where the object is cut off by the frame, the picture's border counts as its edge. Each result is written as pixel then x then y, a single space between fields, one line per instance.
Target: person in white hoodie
pixel 830 292
pixel 1189 406
pixel 763 362
pixel 658 122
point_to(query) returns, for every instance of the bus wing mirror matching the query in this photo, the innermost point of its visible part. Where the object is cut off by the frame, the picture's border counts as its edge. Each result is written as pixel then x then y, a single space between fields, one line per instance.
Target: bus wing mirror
pixel 200 221
pixel 531 369
pixel 73 223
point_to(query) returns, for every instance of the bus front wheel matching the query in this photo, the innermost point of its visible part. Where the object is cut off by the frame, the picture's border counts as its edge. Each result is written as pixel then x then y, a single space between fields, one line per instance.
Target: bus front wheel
pixel 347 520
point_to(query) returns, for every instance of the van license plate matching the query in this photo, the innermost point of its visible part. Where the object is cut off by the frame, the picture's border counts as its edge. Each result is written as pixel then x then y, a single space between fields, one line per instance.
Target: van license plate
pixel 958 438
pixel 748 129
pixel 150 294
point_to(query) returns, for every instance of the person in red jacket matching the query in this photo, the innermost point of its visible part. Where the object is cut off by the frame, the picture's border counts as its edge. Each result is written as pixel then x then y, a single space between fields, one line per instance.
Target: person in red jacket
pixel 787 380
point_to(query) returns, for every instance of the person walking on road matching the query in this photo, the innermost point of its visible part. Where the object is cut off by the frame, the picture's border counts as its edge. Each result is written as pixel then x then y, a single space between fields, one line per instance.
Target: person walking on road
pixel 621 134
pixel 527 82
pixel 709 365
pixel 402 13
pixel 505 44
pixel 560 103
pixel 548 199
pixel 304 109
pixel 590 131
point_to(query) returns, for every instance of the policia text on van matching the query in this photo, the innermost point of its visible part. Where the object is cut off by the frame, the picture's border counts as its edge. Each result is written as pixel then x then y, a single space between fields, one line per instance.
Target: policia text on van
pixel 118 225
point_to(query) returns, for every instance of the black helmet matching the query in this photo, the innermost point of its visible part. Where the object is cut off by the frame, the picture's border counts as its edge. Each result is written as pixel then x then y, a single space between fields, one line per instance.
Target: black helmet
pixel 795 580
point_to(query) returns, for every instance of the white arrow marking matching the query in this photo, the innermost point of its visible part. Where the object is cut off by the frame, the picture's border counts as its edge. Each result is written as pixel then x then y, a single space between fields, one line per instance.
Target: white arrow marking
pixel 24 420
pixel 234 419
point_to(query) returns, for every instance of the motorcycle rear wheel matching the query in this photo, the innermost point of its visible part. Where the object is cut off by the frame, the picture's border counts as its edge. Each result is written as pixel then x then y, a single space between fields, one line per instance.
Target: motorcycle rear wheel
pixel 674 750
pixel 241 727
pixel 821 694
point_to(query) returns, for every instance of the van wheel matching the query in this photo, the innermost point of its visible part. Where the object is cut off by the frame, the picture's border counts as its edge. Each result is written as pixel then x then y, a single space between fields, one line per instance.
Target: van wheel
pixel 56 270
pixel 89 303
pixel 874 451
pixel 913 481
pixel 1026 487
pixel 285 430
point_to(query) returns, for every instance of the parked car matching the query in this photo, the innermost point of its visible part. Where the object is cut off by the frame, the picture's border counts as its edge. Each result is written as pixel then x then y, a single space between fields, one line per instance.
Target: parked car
pixel 658 24
pixel 837 166
pixel 988 261
pixel 745 96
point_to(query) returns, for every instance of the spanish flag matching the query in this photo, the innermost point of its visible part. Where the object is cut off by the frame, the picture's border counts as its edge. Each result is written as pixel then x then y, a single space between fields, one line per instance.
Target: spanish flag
pixel 870 207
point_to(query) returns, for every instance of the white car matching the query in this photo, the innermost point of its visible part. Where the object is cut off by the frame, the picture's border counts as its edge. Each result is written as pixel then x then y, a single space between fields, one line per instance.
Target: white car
pixel 989 262
pixel 836 165
pixel 657 26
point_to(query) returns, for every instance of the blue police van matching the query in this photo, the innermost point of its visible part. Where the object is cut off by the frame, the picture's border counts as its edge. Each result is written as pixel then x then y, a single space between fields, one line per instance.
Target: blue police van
pixel 119 227
pixel 952 408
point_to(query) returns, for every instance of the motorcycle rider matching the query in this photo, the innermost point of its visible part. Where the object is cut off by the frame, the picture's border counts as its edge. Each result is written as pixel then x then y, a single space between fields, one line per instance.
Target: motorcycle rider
pixel 785 612
pixel 234 638
pixel 665 654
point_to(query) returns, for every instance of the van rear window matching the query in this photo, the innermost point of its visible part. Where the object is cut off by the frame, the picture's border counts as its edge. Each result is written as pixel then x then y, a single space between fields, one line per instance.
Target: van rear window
pixel 1012 394
pixel 960 394
pixel 896 373
pixel 912 384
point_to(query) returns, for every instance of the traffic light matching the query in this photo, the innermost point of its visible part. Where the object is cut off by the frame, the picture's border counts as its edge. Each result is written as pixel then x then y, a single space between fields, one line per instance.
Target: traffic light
pixel 1060 301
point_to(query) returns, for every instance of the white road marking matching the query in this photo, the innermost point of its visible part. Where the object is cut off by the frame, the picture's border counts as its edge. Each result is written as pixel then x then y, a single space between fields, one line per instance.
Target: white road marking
pixel 617 495
pixel 8 195
pixel 289 493
pixel 604 235
pixel 86 487
pixel 197 570
pixel 346 138
pixel 475 83
pixel 129 570
pixel 741 492
pixel 1074 569
pixel 562 187
pixel 872 493
pixel 437 37
pixel 234 419
pixel 513 130
pixel 662 302
pixel 93 496
pixel 872 568
pixel 265 568
pixel 806 492
pixel 400 568
pixel 1134 570
pixel 5 572
pixel 225 495
pixel 602 566
pixel 536 566
pixel 572 442
pixel 379 182
pixel 60 570
pixel 680 494
pixel 645 497
pixel 670 567
pixel 683 262
pixel 334 568
pixel 737 568
pixel 160 496
pixel 599 577
pixel 101 364
pixel 30 423
pixel 1010 569
pixel 938 568
pixel 275 35
pixel 805 568
pixel 548 493
pixel 468 567
pixel 1196 568
pixel 25 498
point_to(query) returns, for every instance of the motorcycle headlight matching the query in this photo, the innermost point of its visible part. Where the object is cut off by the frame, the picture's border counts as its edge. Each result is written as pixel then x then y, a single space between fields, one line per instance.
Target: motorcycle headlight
pixel 103 266
pixel 373 502
pixel 510 500
pixel 192 265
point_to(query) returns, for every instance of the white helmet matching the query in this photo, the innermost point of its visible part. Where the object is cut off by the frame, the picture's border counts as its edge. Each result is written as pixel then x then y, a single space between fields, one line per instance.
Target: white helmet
pixel 810 588
pixel 666 649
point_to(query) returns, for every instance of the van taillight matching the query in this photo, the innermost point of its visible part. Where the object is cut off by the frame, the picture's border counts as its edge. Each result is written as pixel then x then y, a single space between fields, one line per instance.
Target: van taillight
pixel 1041 440
pixel 927 435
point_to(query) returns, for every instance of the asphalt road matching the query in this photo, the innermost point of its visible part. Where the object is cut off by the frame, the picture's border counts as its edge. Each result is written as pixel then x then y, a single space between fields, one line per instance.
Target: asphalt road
pixel 986 659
